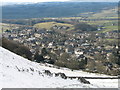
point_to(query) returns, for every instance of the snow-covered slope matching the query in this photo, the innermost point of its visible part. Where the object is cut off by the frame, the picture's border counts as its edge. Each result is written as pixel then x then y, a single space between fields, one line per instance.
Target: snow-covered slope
pixel 18 72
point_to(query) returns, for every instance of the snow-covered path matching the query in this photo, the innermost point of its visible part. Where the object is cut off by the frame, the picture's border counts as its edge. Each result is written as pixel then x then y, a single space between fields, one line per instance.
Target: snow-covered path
pixel 31 75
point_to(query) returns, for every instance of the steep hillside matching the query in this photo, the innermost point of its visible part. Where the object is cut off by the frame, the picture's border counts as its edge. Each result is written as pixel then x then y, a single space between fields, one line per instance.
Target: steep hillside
pixel 18 72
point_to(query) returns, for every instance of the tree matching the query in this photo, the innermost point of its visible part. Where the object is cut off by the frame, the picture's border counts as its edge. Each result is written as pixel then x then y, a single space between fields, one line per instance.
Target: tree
pixel 17 48
pixel 114 58
pixel 82 63
pixel 39 58
pixel 85 27
pixel 53 58
pixel 64 57
pixel 23 51
pixel 44 52
pixel 9 44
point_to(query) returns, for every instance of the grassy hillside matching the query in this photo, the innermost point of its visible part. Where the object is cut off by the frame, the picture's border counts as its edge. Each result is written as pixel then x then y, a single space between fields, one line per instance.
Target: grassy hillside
pixel 106 14
pixel 49 25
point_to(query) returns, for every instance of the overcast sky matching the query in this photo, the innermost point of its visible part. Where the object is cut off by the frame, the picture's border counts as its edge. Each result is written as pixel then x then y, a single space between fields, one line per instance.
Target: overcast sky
pixel 59 0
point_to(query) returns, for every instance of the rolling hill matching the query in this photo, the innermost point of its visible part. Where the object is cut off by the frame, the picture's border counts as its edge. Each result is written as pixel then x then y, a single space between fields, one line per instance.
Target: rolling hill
pixel 49 25
pixel 53 9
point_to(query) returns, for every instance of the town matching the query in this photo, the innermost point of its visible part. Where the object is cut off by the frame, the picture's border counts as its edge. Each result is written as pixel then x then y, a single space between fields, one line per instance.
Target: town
pixel 96 52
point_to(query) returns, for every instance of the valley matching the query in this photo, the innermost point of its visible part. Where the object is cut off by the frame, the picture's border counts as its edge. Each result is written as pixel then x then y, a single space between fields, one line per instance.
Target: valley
pixel 63 44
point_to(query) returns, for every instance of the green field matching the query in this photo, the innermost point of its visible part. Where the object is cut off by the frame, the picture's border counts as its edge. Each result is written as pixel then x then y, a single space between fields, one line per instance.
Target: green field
pixel 106 14
pixel 49 25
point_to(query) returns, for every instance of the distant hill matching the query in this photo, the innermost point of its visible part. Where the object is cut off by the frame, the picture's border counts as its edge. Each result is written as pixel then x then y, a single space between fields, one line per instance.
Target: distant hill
pixel 53 9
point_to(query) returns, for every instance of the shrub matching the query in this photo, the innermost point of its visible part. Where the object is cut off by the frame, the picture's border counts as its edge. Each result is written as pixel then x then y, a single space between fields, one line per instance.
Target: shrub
pixel 114 58
pixel 73 64
pixel 39 58
pixel 114 72
pixel 60 63
pixel 91 65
